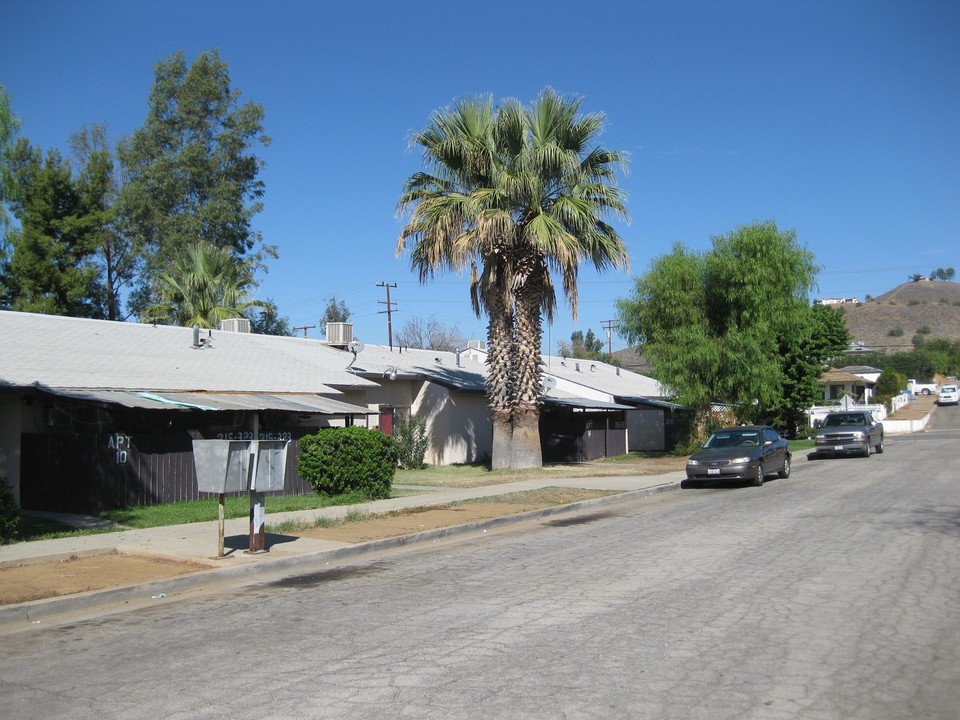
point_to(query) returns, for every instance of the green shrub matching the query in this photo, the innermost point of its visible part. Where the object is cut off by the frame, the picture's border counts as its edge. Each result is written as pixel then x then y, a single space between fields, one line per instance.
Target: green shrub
pixel 889 383
pixel 412 442
pixel 9 514
pixel 341 460
pixel 895 331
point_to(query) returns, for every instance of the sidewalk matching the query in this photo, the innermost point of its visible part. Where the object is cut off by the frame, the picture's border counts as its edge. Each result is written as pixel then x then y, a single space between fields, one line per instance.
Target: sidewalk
pixel 197 542
pixel 912 417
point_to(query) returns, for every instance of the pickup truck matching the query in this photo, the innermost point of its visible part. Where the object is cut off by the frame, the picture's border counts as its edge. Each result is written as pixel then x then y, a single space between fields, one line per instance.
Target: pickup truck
pixel 852 432
pixel 922 388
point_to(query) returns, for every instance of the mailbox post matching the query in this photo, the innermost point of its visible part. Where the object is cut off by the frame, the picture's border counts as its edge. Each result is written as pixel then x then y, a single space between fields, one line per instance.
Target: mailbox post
pixel 222 466
pixel 256 466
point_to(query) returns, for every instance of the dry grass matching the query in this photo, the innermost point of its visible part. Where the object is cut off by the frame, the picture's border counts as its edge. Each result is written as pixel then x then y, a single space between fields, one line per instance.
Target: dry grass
pixel 934 304
pixel 467 476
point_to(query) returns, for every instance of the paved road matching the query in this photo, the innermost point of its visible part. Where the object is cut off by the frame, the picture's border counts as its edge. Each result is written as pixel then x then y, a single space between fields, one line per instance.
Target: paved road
pixel 834 594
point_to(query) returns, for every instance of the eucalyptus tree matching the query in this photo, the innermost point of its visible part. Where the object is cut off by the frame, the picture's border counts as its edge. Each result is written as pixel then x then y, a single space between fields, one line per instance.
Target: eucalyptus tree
pixel 204 285
pixel 192 169
pixel 335 312
pixel 517 194
pixel 265 319
pixel 103 178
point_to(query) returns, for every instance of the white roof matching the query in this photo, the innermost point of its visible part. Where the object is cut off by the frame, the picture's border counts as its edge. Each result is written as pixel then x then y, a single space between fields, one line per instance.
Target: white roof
pixel 608 379
pixel 582 378
pixel 443 367
pixel 75 353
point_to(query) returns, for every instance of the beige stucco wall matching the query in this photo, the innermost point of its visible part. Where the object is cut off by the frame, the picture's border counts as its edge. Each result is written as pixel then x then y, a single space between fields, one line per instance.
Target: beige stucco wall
pixel 458 423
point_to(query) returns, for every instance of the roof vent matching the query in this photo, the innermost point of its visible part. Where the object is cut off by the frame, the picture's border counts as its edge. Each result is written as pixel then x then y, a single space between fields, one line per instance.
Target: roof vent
pixel 476 345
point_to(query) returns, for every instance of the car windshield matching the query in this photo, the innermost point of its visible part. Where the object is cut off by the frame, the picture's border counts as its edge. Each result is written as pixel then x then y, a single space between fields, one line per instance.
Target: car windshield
pixel 841 420
pixel 733 438
pixel 948 389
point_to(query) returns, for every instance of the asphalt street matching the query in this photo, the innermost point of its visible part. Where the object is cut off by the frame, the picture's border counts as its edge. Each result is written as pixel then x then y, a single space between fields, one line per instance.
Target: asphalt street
pixel 832 594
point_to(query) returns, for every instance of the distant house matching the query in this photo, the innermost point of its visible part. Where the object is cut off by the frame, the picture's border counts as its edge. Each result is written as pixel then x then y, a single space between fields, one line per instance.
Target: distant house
pixel 837 301
pixel 845 382
pixel 870 374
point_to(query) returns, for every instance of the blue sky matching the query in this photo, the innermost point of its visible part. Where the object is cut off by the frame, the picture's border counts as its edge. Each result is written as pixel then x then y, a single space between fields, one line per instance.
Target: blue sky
pixel 834 118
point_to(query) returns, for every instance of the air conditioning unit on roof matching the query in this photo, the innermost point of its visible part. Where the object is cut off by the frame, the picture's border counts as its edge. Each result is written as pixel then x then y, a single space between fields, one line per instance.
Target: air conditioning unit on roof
pixel 339 333
pixel 241 325
pixel 476 345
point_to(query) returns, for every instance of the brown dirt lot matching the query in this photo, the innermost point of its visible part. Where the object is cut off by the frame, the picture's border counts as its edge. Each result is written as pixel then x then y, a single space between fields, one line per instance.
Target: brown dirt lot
pixel 36 581
pixel 22 583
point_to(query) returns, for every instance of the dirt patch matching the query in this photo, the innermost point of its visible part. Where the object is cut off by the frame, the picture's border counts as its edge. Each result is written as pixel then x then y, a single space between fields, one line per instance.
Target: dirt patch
pixel 417 520
pixel 23 583
pixel 51 579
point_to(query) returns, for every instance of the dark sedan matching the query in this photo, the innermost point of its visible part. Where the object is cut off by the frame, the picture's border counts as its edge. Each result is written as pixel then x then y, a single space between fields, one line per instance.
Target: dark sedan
pixel 747 453
pixel 849 433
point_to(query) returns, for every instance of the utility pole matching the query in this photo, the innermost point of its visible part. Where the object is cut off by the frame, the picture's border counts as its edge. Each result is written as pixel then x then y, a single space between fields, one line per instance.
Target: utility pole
pixel 608 325
pixel 304 328
pixel 389 311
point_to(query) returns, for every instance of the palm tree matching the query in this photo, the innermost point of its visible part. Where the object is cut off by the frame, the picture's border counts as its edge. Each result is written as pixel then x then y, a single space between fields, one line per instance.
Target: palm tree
pixel 516 194
pixel 206 284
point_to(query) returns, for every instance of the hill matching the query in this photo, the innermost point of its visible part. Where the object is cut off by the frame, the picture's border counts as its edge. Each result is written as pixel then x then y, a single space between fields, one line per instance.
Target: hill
pixel 890 321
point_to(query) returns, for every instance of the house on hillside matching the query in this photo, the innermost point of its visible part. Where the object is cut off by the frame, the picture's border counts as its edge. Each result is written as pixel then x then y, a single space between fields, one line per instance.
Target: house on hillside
pixel 837 301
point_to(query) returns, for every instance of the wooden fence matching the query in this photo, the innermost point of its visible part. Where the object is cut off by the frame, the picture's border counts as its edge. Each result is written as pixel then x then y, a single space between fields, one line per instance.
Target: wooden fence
pixel 83 473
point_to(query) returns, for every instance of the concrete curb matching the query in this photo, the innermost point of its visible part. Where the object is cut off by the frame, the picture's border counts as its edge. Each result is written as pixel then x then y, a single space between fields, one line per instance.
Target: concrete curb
pixel 35 611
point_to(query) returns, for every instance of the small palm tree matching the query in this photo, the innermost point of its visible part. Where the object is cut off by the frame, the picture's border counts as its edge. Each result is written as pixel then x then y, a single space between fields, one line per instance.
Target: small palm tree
pixel 205 285
pixel 517 194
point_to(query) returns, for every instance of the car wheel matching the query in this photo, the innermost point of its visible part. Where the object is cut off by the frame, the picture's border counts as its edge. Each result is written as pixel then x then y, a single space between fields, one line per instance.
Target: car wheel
pixel 785 472
pixel 761 472
pixel 925 391
pixel 879 447
pixel 866 452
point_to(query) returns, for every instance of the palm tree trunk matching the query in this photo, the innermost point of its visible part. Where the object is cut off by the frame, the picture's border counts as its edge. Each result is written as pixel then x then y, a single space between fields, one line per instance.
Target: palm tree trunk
pixel 500 379
pixel 526 451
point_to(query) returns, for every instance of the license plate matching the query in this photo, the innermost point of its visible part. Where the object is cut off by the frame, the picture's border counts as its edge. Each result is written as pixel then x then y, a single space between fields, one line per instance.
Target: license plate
pixel 838 448
pixel 713 471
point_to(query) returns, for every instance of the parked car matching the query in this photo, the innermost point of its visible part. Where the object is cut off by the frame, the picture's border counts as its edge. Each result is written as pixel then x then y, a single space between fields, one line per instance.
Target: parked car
pixel 747 453
pixel 918 388
pixel 948 395
pixel 849 433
